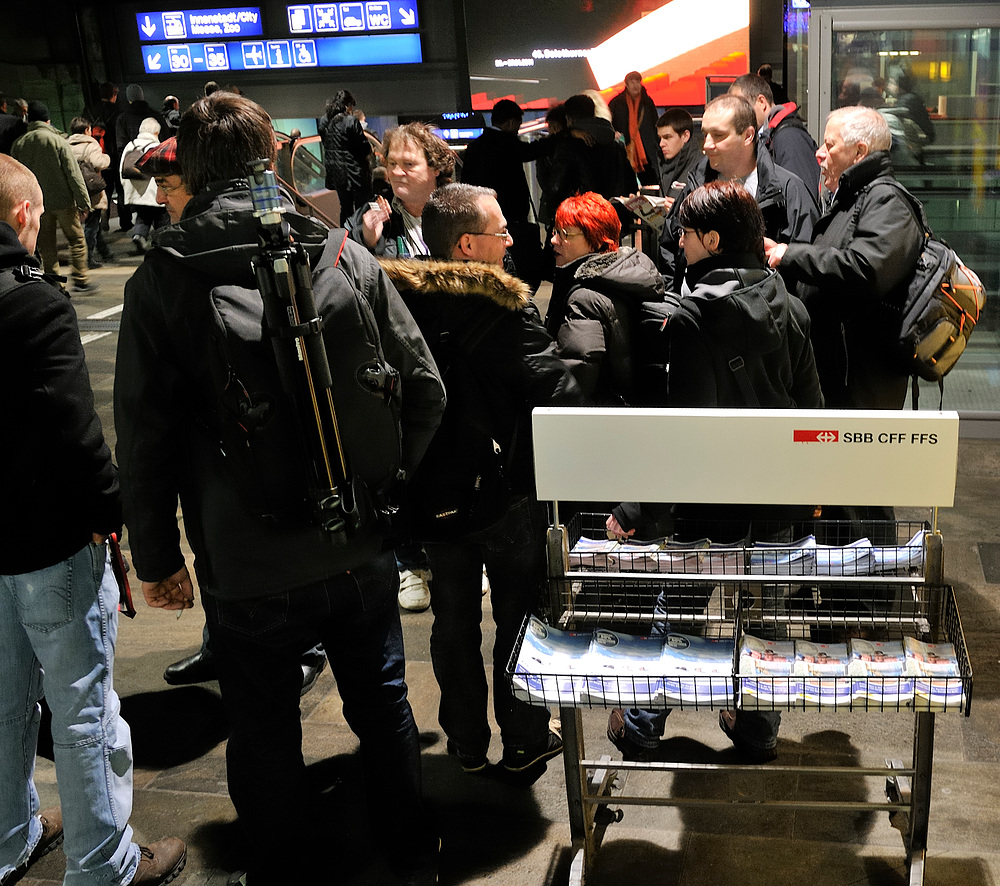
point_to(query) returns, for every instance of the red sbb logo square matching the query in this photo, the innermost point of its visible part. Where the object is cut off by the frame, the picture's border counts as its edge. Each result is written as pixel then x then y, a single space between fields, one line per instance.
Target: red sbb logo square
pixel 815 436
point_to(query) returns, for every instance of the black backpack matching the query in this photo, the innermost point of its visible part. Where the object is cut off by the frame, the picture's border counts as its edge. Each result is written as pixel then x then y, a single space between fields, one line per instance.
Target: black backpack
pixel 253 419
pixel 942 306
pixel 461 485
pixel 653 356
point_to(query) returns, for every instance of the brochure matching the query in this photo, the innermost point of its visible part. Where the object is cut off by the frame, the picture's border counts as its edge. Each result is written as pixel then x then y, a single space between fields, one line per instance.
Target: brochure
pixel 877 670
pixel 766 668
pixel 651 209
pixel 625 669
pixel 936 677
pixel 552 665
pixel 824 671
pixel 697 670
pixel 908 556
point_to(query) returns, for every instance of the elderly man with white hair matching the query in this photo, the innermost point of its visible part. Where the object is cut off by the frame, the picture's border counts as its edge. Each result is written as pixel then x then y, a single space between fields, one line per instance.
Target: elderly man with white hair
pixel 854 275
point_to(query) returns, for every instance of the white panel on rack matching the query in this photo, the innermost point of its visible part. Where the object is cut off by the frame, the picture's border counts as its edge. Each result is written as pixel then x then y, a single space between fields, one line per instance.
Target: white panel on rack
pixel 747 456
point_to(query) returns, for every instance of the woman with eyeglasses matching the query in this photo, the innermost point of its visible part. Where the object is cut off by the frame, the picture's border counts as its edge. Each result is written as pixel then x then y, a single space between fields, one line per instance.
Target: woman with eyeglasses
pixel 596 292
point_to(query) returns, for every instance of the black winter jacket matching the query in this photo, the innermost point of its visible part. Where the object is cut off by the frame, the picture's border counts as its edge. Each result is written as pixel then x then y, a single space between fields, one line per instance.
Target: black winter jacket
pixel 853 279
pixel 788 208
pixel 740 312
pixel 791 145
pixel 592 315
pixel 647 124
pixel 59 485
pixel 170 373
pixel 511 353
pixel 345 154
pixel 732 312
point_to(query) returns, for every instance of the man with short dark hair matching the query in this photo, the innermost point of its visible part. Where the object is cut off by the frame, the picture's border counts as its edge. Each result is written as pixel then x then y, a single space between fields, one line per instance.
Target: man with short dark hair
pixel 47 153
pixel 273 579
pixel 781 129
pixel 496 160
pixel 729 127
pixel 679 152
pixel 58 595
pixel 480 324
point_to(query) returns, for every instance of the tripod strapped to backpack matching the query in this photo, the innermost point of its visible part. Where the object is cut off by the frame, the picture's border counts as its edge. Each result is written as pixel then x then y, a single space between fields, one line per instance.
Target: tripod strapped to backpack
pixel 292 321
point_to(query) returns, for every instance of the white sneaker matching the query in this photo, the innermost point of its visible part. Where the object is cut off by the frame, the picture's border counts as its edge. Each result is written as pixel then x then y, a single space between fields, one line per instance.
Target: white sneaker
pixel 414 592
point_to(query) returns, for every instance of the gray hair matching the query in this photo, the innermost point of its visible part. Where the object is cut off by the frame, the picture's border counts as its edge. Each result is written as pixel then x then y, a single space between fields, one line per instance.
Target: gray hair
pixel 451 211
pixel 862 125
pixel 150 126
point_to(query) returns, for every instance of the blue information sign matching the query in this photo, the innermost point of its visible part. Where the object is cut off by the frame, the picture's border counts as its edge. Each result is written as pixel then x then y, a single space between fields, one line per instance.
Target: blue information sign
pixel 262 55
pixel 200 24
pixel 325 18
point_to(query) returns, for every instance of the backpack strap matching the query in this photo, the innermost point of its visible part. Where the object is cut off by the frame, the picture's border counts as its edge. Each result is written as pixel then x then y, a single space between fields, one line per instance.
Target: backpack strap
pixel 739 369
pixel 788 109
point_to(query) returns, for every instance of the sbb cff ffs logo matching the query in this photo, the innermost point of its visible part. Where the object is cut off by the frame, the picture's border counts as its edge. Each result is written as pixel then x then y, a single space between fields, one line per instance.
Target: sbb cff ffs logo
pixel 829 436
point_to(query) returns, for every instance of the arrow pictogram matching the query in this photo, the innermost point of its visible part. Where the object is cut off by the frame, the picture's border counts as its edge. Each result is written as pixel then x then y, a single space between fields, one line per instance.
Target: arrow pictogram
pixel 153 61
pixel 407 17
pixel 148 28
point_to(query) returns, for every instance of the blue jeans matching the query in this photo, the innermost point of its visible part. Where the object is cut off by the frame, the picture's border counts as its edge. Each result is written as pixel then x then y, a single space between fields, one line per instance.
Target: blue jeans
pixel 63 620
pixel 645 728
pixel 514 555
pixel 258 645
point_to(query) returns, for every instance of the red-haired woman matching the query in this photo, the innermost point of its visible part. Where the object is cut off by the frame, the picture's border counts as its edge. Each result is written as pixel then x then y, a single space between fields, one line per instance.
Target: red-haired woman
pixel 596 291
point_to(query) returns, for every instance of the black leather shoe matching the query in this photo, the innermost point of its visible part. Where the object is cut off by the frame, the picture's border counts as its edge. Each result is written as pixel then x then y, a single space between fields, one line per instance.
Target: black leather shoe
pixel 197 668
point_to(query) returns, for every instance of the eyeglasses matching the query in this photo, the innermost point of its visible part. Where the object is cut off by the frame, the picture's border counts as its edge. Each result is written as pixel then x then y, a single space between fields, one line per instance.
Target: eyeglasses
pixel 566 235
pixel 505 234
pixel 168 189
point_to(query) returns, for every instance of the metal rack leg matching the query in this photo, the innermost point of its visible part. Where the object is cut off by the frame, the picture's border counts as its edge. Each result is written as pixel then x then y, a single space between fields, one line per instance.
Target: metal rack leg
pixel 580 825
pixel 923 760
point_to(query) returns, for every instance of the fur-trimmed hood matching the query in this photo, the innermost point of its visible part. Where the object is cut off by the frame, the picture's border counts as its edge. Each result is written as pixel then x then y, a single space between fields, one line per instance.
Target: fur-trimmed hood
pixel 458 278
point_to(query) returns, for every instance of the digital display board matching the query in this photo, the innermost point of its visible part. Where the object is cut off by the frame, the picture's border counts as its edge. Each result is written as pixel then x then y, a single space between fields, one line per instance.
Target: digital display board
pixel 324 18
pixel 317 35
pixel 262 55
pixel 200 24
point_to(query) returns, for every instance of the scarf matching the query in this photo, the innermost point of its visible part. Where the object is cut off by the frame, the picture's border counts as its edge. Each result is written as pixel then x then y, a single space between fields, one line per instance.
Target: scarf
pixel 636 150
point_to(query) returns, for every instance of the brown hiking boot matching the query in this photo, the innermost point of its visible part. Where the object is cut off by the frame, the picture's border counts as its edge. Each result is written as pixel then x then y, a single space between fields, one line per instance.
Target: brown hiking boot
pixel 52 836
pixel 160 862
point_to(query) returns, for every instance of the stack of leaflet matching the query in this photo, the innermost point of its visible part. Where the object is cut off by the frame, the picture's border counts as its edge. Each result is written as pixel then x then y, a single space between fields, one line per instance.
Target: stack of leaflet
pixel 603 555
pixel 878 672
pixel 795 558
pixel 823 668
pixel 697 671
pixel 552 666
pixel 937 682
pixel 625 669
pixel 569 668
pixel 853 559
pixel 908 556
pixel 766 668
pixel 890 673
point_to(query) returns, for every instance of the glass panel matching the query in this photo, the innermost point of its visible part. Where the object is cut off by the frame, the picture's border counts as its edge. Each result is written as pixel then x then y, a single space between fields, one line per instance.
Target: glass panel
pixel 939 90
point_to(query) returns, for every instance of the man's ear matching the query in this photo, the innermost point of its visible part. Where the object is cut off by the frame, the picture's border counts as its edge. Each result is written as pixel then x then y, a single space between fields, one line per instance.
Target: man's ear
pixel 685 136
pixel 463 248
pixel 863 150
pixel 749 134
pixel 18 217
pixel 711 240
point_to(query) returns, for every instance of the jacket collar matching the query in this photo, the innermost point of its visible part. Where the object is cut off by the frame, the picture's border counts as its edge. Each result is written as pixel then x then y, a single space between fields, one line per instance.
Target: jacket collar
pixel 475 279
pixel 862 173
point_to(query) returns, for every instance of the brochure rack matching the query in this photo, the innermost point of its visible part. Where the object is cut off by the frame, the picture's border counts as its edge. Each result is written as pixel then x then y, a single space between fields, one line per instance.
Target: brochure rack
pixel 811 580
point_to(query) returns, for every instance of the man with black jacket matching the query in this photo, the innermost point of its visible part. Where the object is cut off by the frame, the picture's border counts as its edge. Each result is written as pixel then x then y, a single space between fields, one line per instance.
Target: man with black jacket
pixel 731 153
pixel 853 276
pixel 273 582
pixel 498 362
pixel 58 595
pixel 781 130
